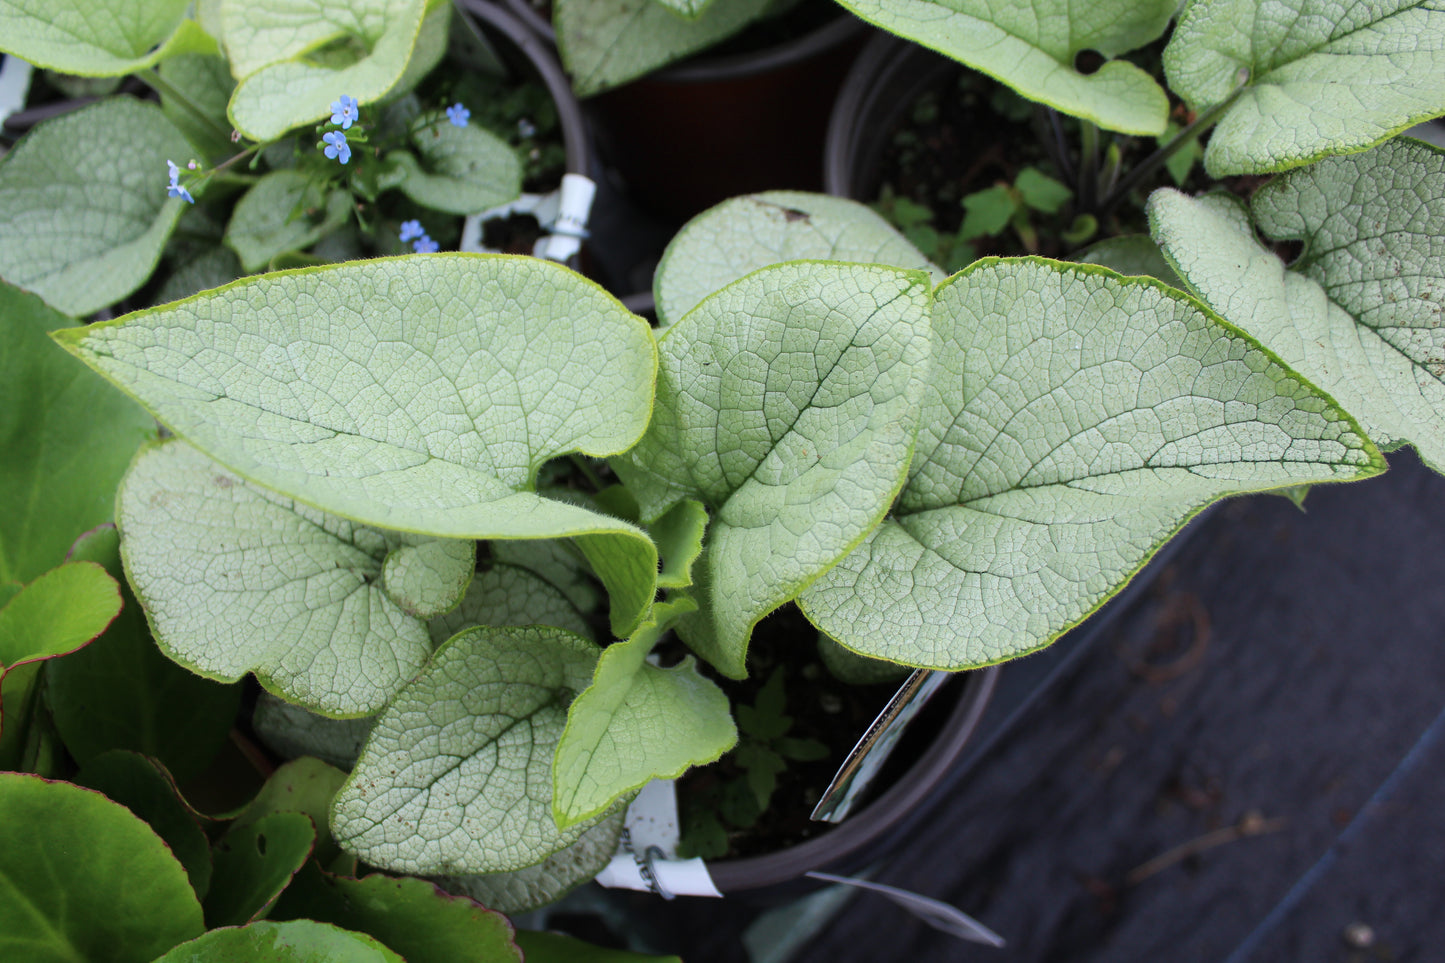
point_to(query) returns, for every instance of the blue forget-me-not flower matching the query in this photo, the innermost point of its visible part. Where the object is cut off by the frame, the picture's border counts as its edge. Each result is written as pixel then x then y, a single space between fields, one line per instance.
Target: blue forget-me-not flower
pixel 336 146
pixel 458 115
pixel 425 245
pixel 343 112
pixel 175 189
pixel 411 230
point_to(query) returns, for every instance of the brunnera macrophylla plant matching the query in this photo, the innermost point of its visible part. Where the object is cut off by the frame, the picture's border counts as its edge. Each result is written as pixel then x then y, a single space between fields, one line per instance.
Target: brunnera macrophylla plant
pixel 284 122
pixel 386 496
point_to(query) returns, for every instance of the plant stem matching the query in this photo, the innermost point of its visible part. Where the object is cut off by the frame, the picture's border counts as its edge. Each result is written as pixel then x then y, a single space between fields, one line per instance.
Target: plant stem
pixel 154 80
pixel 1088 182
pixel 1050 134
pixel 1154 161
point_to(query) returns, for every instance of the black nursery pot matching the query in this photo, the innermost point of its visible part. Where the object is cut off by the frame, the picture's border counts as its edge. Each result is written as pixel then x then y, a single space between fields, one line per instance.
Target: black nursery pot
pixel 887 77
pixel 872 832
pixel 541 61
pixel 733 124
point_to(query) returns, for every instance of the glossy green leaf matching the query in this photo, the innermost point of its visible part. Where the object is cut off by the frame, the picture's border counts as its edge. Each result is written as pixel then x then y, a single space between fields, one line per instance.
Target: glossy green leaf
pixel 120 692
pixel 1032 48
pixel 637 722
pixel 83 207
pixel 1322 78
pixel 304 786
pixel 97 39
pixel 295 57
pixel 411 916
pixel 285 211
pixel 57 613
pixel 532 887
pixel 462 170
pixel 740 235
pixel 290 731
pixel 295 941
pixel 787 403
pixel 145 788
pixel 253 863
pixel 84 879
pixel 1075 421
pixel 1133 255
pixel 285 591
pixel 67 438
pixel 417 394
pixel 560 948
pixel 457 776
pixel 686 8
pixel 1360 311
pixel 508 595
pixel 605 43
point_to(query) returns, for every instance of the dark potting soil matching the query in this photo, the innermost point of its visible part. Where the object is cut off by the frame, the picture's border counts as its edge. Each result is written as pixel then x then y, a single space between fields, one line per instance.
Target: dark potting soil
pixel 967 133
pixel 718 799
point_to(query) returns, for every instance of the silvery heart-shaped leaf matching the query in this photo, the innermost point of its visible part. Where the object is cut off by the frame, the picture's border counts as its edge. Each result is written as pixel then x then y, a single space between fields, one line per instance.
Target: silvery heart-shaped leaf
pixel 1032 48
pixel 1322 78
pixel 740 235
pixel 637 722
pixel 1075 420
pixel 293 58
pixel 1132 255
pixel 415 394
pixel 291 732
pixel 93 38
pixel 456 778
pixel 83 207
pixel 503 594
pixel 787 404
pixel 239 579
pixel 1360 311
pixel 604 43
pixel 551 879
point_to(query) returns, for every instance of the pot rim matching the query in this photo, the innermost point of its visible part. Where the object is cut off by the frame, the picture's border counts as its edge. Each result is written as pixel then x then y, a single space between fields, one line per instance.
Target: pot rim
pixel 703 69
pixel 543 59
pixel 875 820
pixel 882 57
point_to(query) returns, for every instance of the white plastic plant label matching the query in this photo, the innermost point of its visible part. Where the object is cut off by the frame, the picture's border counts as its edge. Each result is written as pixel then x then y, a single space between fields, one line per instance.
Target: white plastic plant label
pixel 646 858
pixel 563 213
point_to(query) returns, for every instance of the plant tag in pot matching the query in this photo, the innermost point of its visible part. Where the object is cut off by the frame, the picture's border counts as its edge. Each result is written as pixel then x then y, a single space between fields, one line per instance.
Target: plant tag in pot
pixel 646 857
pixel 877 744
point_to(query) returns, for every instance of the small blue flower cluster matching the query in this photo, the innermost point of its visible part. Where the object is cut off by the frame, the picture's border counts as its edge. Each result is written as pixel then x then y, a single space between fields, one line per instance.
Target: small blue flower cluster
pixel 420 243
pixel 176 190
pixel 343 113
pixel 458 115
